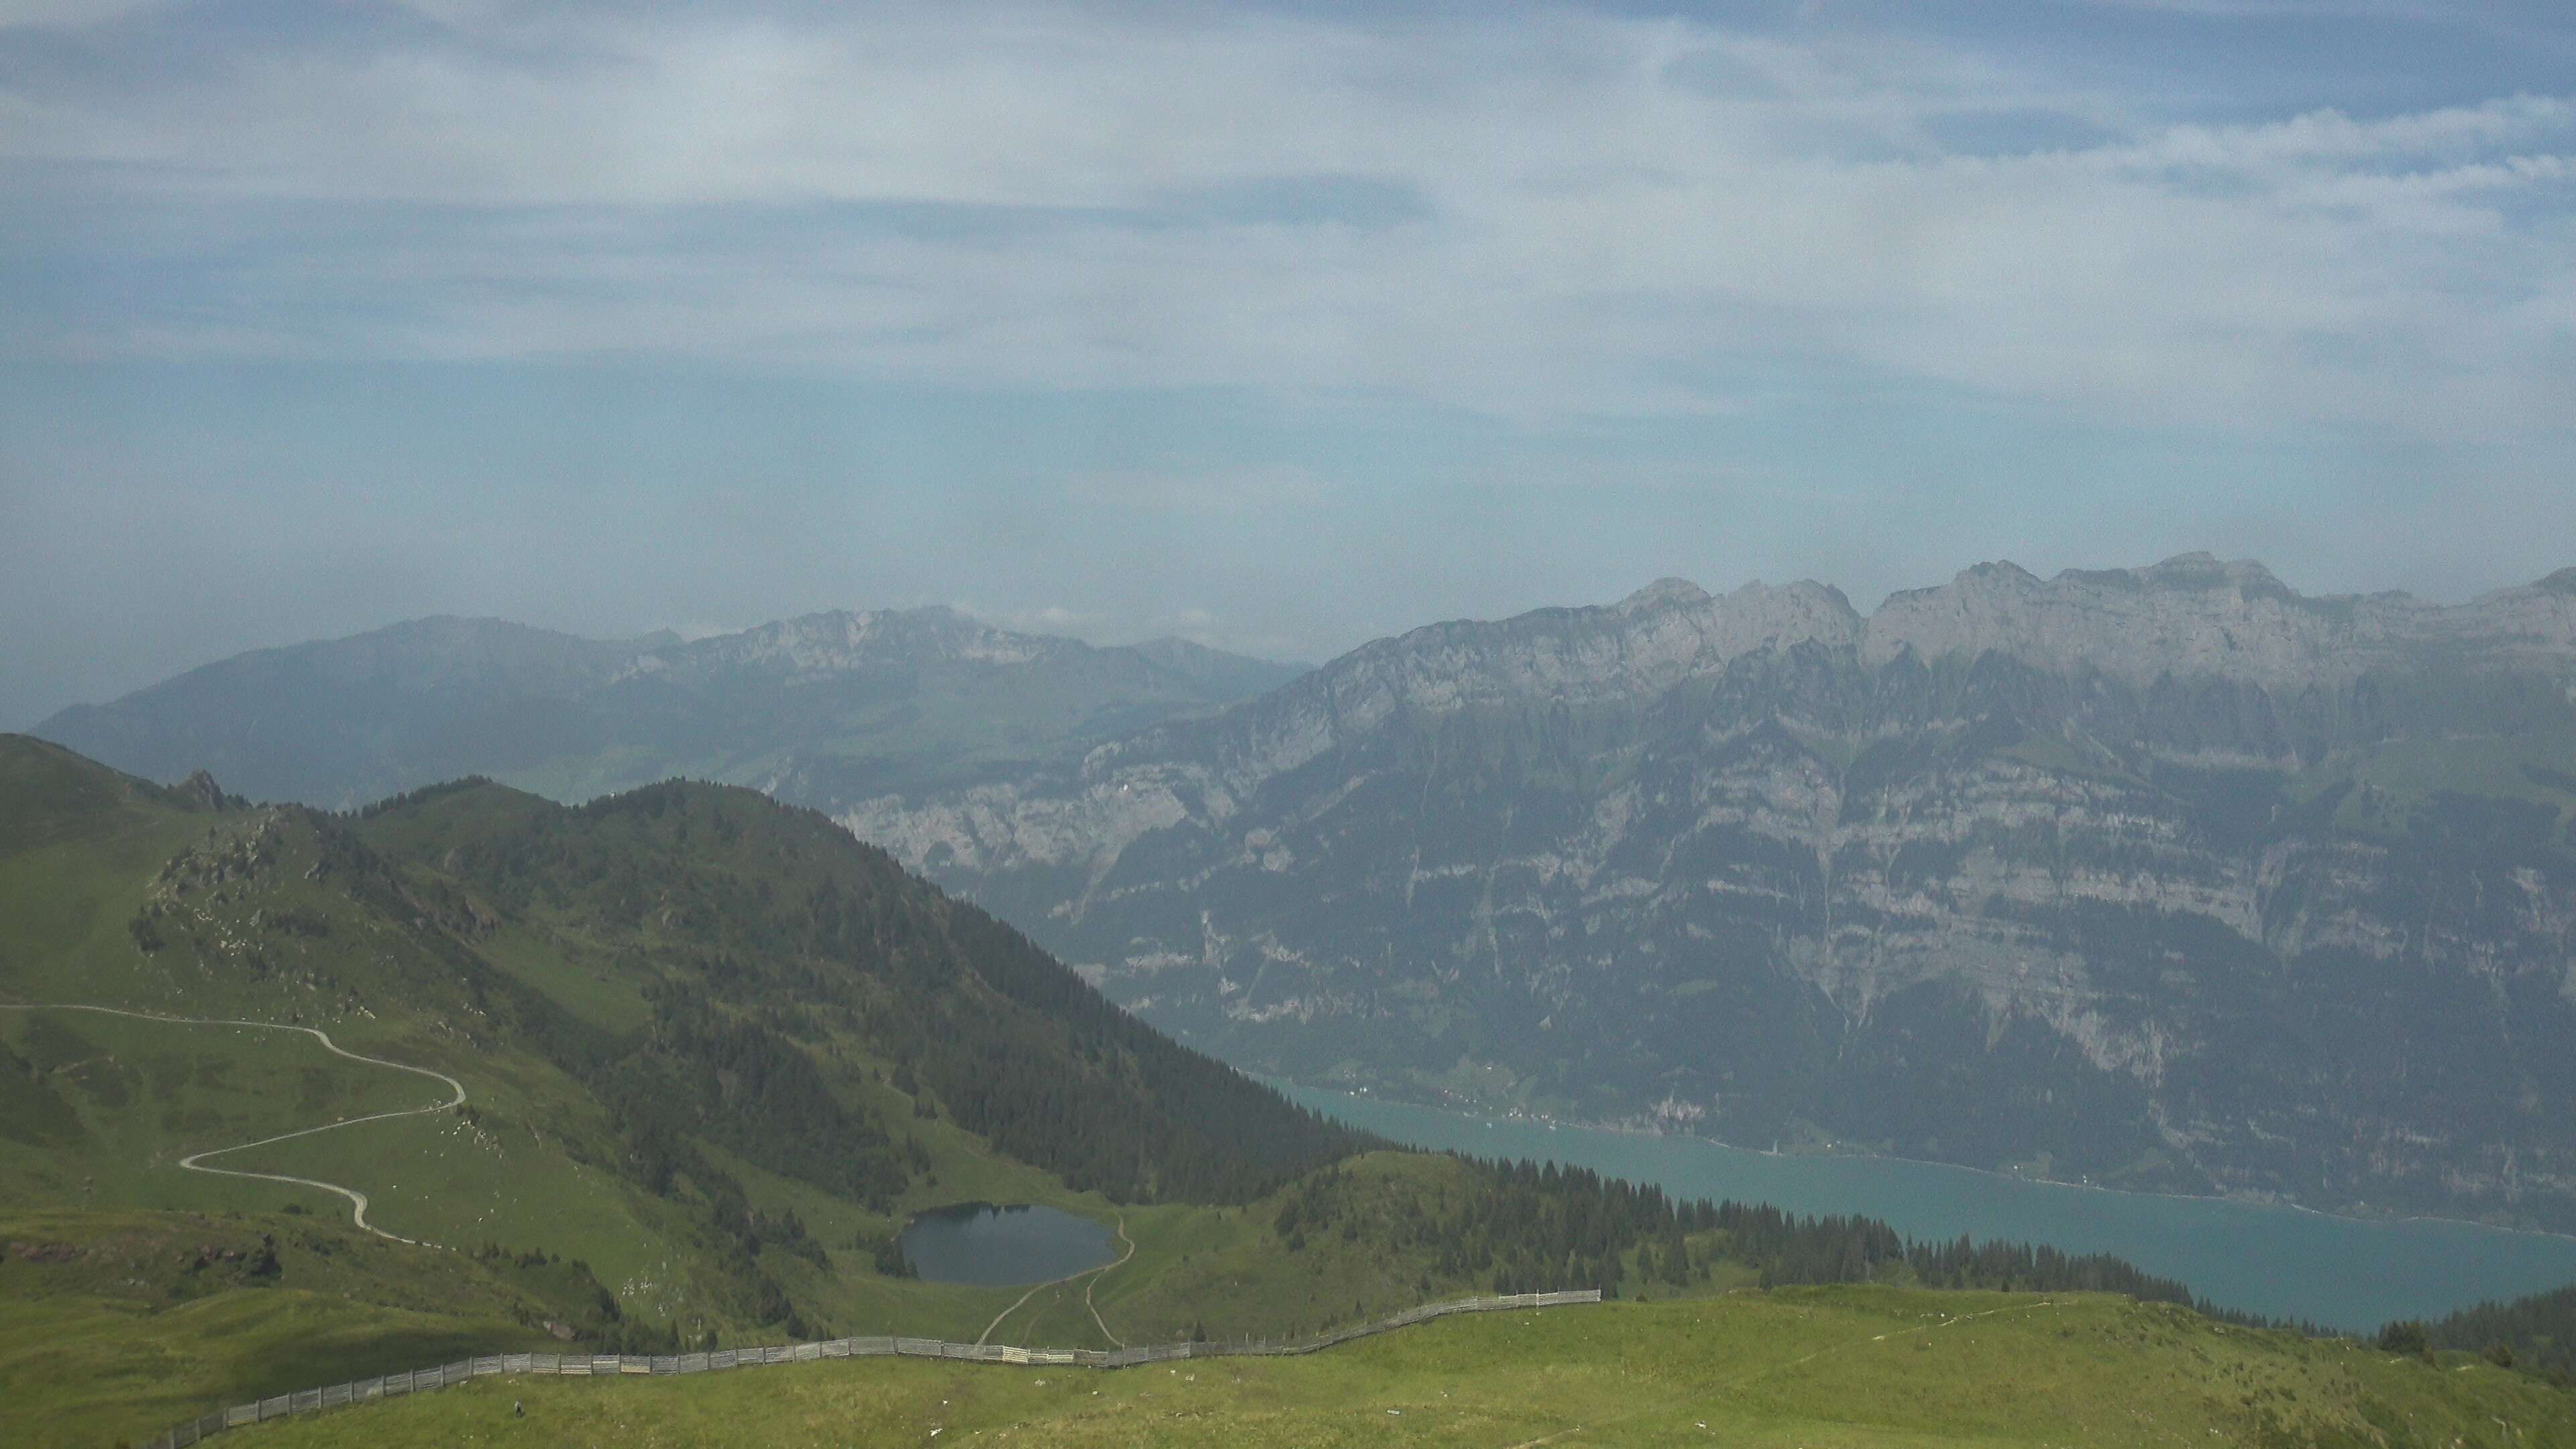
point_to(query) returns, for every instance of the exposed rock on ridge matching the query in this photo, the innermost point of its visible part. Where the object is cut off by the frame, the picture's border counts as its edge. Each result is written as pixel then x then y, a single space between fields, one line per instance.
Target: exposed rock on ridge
pixel 2168 876
pixel 2193 615
pixel 840 640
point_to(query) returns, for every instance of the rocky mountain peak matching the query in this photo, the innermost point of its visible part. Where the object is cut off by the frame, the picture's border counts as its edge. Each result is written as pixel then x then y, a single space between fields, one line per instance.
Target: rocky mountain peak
pixel 2190 615
pixel 1665 593
pixel 1760 615
pixel 201 790
pixel 838 640
pixel 2204 572
pixel 2001 573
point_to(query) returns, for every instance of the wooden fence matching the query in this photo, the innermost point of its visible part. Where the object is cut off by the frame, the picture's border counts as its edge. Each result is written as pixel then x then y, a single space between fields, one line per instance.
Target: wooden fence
pixel 580 1365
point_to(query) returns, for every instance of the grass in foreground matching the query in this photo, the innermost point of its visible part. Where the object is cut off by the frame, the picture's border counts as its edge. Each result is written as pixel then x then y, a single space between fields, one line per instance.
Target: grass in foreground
pixel 114 1324
pixel 1817 1368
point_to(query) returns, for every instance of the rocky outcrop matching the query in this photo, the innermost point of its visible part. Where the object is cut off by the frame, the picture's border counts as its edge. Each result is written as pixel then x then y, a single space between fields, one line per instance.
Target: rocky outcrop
pixel 2193 616
pixel 842 642
pixel 201 790
pixel 2165 876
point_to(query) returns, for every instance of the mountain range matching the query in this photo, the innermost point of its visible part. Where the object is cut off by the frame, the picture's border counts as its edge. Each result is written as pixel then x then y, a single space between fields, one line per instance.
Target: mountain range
pixel 2169 878
pixel 821 706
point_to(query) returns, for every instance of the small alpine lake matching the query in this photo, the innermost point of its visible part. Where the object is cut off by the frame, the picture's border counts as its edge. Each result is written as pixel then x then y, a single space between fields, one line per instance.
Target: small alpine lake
pixel 2347 1273
pixel 992 1247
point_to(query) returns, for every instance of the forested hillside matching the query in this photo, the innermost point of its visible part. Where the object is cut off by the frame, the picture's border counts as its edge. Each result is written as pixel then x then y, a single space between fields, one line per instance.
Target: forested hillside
pixel 752 932
pixel 710 1036
pixel 2537 1333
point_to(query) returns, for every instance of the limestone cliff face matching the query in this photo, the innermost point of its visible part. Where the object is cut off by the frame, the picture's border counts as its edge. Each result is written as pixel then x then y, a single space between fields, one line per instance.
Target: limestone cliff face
pixel 841 641
pixel 2167 876
pixel 2194 616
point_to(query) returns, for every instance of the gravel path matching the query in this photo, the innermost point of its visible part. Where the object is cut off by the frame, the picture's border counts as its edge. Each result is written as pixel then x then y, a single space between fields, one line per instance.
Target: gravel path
pixel 195 1162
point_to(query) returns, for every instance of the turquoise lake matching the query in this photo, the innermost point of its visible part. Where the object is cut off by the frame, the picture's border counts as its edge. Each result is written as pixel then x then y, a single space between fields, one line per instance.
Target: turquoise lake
pixel 2343 1272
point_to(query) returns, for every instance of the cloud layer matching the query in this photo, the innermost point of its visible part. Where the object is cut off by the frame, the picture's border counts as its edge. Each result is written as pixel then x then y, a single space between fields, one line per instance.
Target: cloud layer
pixel 1533 215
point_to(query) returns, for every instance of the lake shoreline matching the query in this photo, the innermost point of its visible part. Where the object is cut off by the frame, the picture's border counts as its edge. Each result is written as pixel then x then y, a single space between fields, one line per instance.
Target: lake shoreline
pixel 2279 1260
pixel 1003 1245
pixel 1830 1154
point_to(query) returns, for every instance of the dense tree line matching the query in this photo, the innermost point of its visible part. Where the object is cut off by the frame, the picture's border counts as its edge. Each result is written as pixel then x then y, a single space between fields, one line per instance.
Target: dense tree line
pixel 2537 1333
pixel 1788 1248
pixel 1172 1122
pixel 1518 1227
pixel 775 934
pixel 734 1080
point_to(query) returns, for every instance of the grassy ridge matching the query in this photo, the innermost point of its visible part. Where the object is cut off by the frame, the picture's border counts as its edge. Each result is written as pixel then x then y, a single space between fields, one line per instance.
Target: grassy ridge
pixel 1809 1367
pixel 681 1018
pixel 713 1047
pixel 536 954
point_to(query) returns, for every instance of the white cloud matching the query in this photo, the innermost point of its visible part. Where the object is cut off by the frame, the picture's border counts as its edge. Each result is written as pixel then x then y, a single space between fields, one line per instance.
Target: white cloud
pixel 1613 216
pixel 69 14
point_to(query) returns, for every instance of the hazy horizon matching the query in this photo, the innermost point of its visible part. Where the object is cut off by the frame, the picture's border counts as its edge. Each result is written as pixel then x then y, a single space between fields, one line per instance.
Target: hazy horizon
pixel 1278 327
pixel 1062 628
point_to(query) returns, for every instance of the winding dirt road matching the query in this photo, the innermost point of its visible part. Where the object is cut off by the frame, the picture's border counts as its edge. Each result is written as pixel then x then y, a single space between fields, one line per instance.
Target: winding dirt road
pixel 195 1162
pixel 1103 1273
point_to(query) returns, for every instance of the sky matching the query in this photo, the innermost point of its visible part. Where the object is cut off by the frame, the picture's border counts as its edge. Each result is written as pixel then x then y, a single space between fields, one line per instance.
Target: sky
pixel 1278 327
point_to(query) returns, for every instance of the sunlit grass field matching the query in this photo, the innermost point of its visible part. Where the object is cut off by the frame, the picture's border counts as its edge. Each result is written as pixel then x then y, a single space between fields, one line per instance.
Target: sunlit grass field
pixel 1813 1368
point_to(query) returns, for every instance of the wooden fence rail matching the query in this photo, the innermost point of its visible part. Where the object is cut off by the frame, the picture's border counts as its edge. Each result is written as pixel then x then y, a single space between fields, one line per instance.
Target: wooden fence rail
pixel 576 1365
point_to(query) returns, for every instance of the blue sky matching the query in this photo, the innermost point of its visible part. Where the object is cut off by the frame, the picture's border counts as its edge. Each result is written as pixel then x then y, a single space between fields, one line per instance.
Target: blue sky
pixel 1279 327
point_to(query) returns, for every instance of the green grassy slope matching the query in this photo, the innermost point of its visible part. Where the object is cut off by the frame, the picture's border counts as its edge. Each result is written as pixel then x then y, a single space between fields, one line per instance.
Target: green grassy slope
pixel 713 1048
pixel 531 1165
pixel 116 1322
pixel 716 1054
pixel 104 1106
pixel 632 991
pixel 1814 1367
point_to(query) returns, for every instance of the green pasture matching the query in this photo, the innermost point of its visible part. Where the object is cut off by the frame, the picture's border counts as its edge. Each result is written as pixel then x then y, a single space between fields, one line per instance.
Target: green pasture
pixel 114 1102
pixel 113 1323
pixel 1822 1369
